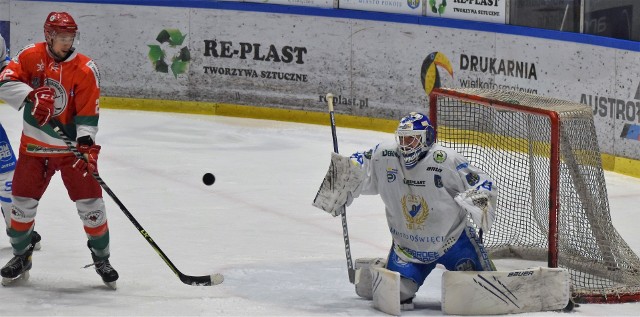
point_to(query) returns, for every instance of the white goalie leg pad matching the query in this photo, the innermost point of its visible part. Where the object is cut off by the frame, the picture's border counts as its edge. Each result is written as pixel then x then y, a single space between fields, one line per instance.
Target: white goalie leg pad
pixel 5 196
pixel 339 185
pixel 505 292
pixel 386 291
pixel 364 276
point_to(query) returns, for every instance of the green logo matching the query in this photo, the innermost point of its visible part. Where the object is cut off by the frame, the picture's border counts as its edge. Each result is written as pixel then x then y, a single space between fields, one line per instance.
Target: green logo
pixel 439 156
pixel 170 40
pixel 440 8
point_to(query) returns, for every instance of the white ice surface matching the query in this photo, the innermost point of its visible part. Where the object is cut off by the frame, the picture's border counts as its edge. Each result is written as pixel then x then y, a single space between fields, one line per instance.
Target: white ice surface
pixel 280 255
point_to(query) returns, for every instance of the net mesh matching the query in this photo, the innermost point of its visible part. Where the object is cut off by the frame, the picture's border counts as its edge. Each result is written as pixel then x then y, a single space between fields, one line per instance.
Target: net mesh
pixel 514 147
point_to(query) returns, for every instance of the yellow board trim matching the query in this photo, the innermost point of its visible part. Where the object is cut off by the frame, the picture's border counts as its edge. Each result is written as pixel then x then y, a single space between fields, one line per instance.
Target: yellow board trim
pixel 610 162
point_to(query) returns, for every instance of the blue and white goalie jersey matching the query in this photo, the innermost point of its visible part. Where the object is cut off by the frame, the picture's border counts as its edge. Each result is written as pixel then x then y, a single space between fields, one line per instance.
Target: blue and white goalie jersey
pixel 423 217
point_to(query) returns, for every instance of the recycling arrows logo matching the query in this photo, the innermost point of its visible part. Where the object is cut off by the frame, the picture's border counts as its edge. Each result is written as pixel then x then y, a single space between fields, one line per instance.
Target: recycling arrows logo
pixel 170 40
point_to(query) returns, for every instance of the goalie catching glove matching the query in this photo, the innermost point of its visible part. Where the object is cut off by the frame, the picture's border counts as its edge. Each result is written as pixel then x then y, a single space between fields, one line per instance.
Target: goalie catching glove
pixel 480 206
pixel 340 185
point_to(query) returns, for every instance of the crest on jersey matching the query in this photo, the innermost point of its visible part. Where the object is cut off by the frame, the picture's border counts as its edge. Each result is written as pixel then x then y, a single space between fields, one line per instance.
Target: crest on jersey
pixel 437 180
pixel 472 178
pixel 60 102
pixel 94 218
pixel 392 174
pixel 439 156
pixel 415 210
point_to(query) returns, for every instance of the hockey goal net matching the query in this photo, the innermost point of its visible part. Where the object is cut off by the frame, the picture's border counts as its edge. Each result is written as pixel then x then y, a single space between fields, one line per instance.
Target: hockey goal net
pixel 552 206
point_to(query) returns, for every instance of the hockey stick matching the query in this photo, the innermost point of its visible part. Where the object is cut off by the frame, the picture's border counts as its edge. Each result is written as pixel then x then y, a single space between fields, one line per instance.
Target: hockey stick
pixel 345 230
pixel 205 280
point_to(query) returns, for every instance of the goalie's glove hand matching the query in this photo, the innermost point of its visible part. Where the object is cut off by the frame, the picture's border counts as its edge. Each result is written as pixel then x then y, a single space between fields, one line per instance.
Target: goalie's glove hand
pixel 478 205
pixel 89 164
pixel 43 99
pixel 340 185
pixel 339 210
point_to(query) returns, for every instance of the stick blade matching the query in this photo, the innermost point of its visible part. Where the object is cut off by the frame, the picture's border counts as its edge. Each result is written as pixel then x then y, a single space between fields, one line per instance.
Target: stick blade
pixel 206 280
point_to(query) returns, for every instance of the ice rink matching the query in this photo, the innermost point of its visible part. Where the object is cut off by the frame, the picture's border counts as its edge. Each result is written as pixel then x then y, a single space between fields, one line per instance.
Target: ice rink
pixel 255 224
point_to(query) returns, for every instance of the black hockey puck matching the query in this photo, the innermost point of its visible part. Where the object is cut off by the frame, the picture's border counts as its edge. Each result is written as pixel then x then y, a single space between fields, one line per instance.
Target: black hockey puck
pixel 208 179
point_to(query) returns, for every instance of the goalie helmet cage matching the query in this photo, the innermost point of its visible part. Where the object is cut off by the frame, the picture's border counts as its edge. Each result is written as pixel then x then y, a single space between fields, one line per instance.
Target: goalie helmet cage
pixel 552 205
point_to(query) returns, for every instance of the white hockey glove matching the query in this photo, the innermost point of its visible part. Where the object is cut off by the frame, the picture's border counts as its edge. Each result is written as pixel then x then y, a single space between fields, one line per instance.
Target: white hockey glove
pixel 479 206
pixel 342 179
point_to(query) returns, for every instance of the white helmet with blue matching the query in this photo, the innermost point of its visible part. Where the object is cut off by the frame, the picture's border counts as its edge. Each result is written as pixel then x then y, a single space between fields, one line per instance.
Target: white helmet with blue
pixel 415 136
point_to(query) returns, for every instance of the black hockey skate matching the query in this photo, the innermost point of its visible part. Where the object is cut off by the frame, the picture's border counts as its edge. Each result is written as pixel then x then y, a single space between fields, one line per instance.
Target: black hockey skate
pixel 17 268
pixel 108 274
pixel 407 304
pixel 35 240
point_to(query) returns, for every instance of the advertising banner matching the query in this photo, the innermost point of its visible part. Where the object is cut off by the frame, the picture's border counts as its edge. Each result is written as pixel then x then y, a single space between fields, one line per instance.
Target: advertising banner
pixel 304 3
pixel 374 68
pixel 474 10
pixel 413 7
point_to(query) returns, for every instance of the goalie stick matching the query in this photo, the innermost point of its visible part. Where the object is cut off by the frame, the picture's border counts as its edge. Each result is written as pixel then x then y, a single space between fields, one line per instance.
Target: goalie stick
pixel 205 280
pixel 345 230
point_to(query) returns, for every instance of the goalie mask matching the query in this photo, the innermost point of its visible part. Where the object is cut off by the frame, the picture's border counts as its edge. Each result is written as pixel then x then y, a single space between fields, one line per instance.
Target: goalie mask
pixel 415 136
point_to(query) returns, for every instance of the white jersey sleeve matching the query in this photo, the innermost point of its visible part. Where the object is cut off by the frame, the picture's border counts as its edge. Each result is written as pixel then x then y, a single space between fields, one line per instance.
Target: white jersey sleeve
pixel 4 54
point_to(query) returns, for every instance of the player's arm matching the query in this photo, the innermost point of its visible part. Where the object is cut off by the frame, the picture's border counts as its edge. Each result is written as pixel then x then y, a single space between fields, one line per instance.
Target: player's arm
pixel 87 102
pixel 14 89
pixel 481 194
pixel 86 119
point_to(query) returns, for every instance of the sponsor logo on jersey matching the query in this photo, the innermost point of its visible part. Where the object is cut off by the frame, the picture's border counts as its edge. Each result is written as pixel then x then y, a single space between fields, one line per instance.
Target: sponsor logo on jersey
pixel 424 256
pixel 390 153
pixel 416 237
pixel 439 156
pixel 5 151
pixel 434 169
pixel 34 148
pixel 415 210
pixel 472 178
pixel 96 73
pixel 411 182
pixel 461 166
pixel 392 174
pixel 395 259
pixel 437 180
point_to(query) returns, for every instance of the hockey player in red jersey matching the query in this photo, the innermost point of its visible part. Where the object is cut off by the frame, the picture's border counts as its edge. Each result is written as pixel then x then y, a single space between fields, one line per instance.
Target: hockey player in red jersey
pixel 53 82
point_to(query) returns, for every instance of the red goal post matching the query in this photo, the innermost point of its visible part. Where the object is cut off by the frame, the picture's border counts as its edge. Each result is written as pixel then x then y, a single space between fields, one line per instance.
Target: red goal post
pixel 544 156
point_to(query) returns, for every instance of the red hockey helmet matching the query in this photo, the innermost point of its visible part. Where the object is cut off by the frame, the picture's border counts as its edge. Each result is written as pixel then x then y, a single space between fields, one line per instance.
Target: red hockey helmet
pixel 59 22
